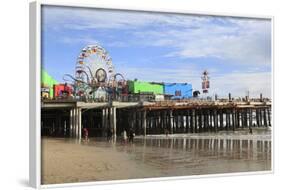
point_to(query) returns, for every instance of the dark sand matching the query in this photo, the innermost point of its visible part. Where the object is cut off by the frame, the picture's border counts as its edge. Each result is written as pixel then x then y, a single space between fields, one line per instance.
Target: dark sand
pixel 70 161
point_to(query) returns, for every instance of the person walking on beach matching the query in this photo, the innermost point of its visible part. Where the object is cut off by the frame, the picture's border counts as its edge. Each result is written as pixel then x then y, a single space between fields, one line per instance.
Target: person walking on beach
pixel 109 134
pixel 86 134
pixel 131 135
pixel 124 136
pixel 166 132
pixel 250 130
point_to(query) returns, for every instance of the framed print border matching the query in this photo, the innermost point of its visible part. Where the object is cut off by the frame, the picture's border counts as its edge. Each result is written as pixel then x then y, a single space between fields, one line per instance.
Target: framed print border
pixel 34 95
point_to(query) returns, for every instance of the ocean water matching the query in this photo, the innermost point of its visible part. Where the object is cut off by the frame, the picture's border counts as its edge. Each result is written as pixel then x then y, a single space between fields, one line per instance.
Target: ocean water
pixel 202 153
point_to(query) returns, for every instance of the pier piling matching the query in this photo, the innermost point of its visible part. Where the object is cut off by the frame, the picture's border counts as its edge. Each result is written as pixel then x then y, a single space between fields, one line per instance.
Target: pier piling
pixel 155 118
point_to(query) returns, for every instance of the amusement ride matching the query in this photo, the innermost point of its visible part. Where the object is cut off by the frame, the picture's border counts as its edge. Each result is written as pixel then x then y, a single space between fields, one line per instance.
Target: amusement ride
pixel 95 78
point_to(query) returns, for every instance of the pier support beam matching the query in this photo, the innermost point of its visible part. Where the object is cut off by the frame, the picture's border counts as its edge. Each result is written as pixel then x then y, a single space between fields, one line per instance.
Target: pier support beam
pixel 238 118
pixel 234 119
pixel 79 110
pixel 72 111
pixel 76 122
pixel 187 115
pixel 258 116
pixel 144 123
pixel 265 117
pixel 113 120
pixel 137 130
pixel 211 120
pixel 227 119
pixel 182 121
pixel 193 120
pixel 76 115
pixel 104 128
pixel 243 118
pixel 106 120
pixel 200 120
pixel 221 119
pixel 71 123
pixel 196 121
pixel 246 117
pixel 171 121
pixel 159 123
pixel 250 117
pixel 206 124
pixel 215 120
pixel 269 118
pixel 175 121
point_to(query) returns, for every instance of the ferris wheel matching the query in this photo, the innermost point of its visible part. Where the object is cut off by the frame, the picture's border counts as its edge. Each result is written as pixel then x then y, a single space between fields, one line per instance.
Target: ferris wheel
pixel 93 69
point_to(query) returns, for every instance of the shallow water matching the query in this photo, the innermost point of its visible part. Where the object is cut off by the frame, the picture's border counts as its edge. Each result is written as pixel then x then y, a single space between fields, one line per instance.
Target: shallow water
pixel 204 153
pixel 162 156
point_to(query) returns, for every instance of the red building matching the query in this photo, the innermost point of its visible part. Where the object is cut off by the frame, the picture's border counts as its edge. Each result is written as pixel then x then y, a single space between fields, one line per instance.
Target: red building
pixel 62 90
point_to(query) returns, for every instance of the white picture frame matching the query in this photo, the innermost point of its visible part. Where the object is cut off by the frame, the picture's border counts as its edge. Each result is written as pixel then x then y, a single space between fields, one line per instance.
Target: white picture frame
pixel 35 102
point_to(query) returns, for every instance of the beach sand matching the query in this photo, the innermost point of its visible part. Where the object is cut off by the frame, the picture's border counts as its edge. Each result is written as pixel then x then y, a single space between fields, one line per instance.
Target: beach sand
pixel 68 162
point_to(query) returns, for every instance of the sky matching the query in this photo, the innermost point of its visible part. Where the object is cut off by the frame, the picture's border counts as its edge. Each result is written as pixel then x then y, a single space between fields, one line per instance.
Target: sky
pixel 162 47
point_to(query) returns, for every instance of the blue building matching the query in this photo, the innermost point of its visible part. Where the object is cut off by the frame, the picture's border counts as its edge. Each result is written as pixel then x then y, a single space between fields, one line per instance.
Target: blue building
pixel 178 90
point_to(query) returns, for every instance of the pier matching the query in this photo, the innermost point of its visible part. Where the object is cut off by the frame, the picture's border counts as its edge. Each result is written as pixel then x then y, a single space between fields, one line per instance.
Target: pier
pixel 67 118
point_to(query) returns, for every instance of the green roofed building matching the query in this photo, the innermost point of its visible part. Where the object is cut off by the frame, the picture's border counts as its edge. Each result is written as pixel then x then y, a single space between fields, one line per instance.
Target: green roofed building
pixel 144 87
pixel 48 81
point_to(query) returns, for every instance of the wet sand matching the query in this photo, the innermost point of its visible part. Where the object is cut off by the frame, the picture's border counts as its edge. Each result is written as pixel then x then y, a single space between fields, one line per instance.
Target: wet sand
pixel 70 161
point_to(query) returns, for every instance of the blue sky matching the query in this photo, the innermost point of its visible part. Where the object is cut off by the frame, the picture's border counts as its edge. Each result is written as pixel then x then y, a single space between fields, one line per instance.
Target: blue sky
pixel 163 47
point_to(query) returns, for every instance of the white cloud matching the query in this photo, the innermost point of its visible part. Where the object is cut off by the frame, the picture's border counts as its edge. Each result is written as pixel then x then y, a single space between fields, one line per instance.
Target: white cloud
pixel 245 43
pixel 83 39
pixel 83 18
pixel 239 83
pixel 239 40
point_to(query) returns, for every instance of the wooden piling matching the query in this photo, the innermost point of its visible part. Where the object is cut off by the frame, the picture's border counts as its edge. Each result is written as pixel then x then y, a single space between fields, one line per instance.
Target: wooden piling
pixel 171 121
pixel 233 119
pixel 144 123
pixel 211 120
pixel 242 118
pixel 227 120
pixel 250 117
pixel 258 117
pixel 246 117
pixel 206 125
pixel 269 118
pixel 182 121
pixel 71 123
pixel 265 117
pixel 200 120
pixel 215 120
pixel 187 121
pixel 193 120
pixel 221 119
